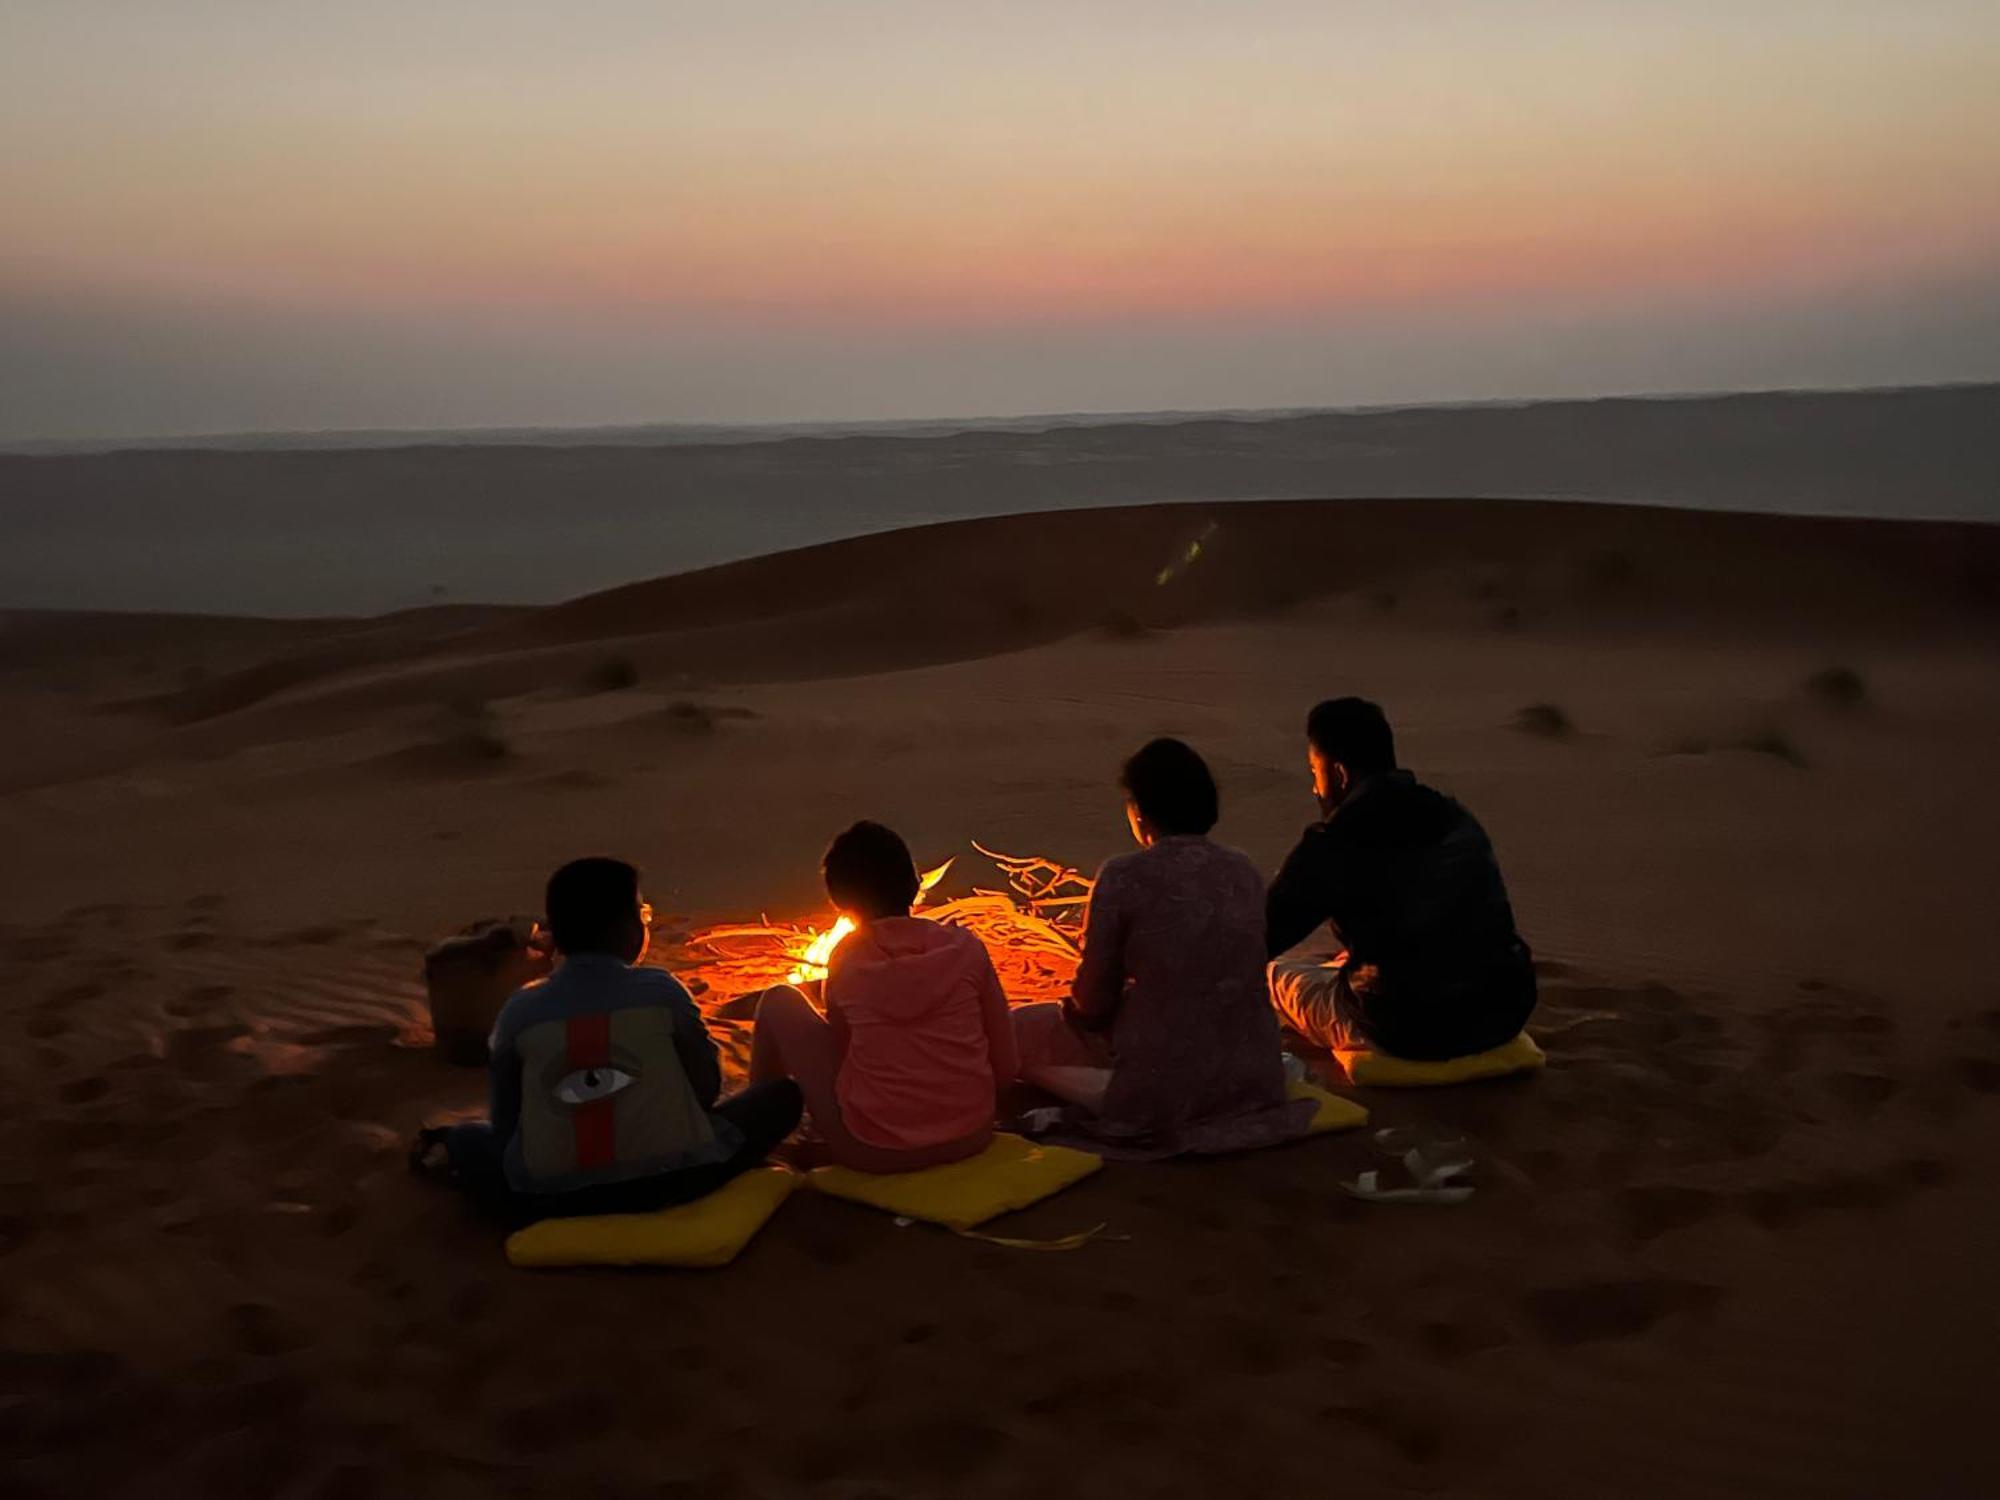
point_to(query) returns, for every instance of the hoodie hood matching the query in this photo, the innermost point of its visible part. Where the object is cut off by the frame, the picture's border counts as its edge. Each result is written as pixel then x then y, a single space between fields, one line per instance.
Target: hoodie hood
pixel 908 966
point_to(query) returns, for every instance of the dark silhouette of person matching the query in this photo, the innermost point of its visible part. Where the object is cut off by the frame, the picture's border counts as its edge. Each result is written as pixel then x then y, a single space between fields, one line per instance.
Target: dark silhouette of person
pixel 1408 882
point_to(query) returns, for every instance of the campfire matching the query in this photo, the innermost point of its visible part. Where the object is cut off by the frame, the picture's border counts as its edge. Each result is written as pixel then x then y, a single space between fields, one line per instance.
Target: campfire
pixel 1032 927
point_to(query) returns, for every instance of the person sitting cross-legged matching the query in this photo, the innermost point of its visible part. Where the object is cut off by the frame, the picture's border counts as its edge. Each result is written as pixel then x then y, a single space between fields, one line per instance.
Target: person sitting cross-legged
pixel 1406 878
pixel 604 1079
pixel 904 1068
pixel 1167 1043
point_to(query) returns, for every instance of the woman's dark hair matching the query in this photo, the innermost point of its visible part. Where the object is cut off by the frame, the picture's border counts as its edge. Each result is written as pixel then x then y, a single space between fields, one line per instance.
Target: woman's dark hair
pixel 592 905
pixel 1172 788
pixel 869 869
pixel 1354 732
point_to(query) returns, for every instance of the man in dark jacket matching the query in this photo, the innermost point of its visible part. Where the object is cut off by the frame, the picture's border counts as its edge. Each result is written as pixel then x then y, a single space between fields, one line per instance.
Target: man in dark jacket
pixel 1407 880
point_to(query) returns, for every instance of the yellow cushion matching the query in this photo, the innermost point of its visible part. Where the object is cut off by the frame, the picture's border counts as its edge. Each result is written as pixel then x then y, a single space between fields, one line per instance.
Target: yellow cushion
pixel 707 1232
pixel 1380 1070
pixel 1335 1113
pixel 1011 1173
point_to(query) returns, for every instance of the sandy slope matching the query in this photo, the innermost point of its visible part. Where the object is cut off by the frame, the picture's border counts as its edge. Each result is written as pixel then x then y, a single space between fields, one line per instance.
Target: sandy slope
pixel 1737 1240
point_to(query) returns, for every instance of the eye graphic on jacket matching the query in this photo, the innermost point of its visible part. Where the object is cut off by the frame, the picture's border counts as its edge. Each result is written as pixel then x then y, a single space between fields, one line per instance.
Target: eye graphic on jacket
pixel 588 1085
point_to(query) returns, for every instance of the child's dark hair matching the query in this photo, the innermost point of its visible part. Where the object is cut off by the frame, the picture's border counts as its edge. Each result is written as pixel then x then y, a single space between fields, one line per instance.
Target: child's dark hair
pixel 1172 788
pixel 592 905
pixel 869 870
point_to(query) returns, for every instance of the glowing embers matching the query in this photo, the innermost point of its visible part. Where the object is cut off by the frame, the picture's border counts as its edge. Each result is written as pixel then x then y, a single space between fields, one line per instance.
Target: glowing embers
pixel 1033 930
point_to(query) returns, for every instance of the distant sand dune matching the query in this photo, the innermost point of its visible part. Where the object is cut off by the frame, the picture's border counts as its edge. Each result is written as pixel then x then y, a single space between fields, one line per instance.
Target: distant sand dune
pixel 975 588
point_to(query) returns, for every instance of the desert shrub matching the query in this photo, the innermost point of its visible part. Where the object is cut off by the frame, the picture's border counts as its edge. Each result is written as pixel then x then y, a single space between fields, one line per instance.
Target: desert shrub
pixel 1123 625
pixel 1611 570
pixel 689 717
pixel 473 731
pixel 1546 720
pixel 614 674
pixel 1839 687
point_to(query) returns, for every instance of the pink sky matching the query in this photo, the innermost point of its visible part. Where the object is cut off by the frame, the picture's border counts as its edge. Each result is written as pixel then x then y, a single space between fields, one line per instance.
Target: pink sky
pixel 226 216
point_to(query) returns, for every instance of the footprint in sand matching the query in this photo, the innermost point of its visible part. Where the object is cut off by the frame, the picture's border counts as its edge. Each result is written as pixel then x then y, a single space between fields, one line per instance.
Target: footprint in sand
pixel 1653 1209
pixel 40 946
pixel 76 994
pixel 1594 1311
pixel 1262 1349
pixel 45 1024
pixel 199 1000
pixel 204 1051
pixel 1648 1210
pixel 1870 1192
pixel 558 1421
pixel 1345 1351
pixel 100 911
pixel 944 1448
pixel 1451 1339
pixel 1416 1437
pixel 316 936
pixel 819 1458
pixel 1980 1074
pixel 258 1328
pixel 84 1090
pixel 15 1231
pixel 1862 1093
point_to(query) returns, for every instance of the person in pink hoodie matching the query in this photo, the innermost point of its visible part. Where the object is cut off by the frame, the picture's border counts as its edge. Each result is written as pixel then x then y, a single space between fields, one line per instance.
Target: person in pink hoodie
pixel 905 1067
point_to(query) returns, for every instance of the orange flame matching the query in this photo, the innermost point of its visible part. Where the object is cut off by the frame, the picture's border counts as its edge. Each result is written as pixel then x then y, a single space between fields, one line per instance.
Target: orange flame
pixel 1033 930
pixel 812 962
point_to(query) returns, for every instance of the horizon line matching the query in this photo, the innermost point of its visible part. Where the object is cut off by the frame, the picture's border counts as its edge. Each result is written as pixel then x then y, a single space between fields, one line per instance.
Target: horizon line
pixel 528 434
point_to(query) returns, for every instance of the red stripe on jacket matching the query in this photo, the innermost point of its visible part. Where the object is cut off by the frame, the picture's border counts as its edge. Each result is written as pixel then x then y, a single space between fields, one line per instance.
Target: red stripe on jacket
pixel 595 1125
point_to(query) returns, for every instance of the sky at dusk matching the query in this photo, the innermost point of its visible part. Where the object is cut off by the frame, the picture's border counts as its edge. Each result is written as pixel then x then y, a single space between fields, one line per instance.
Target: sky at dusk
pixel 225 215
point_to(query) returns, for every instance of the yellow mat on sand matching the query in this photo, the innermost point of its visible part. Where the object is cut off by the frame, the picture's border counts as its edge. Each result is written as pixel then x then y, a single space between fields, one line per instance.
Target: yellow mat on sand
pixel 1380 1070
pixel 1011 1173
pixel 710 1231
pixel 1335 1113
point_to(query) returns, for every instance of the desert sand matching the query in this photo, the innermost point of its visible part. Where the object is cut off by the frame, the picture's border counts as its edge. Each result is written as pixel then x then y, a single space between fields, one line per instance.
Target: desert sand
pixel 1737 1239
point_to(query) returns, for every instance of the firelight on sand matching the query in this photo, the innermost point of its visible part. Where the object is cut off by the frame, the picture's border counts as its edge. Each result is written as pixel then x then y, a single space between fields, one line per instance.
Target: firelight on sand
pixel 1033 930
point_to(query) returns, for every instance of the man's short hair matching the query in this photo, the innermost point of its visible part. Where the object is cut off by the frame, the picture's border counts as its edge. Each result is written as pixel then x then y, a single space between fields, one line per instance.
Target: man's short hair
pixel 1171 787
pixel 869 868
pixel 592 905
pixel 1354 732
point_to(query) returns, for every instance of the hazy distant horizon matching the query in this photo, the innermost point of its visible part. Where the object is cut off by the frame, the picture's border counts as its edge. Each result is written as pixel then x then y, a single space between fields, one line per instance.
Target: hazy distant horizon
pixel 366 529
pixel 669 433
